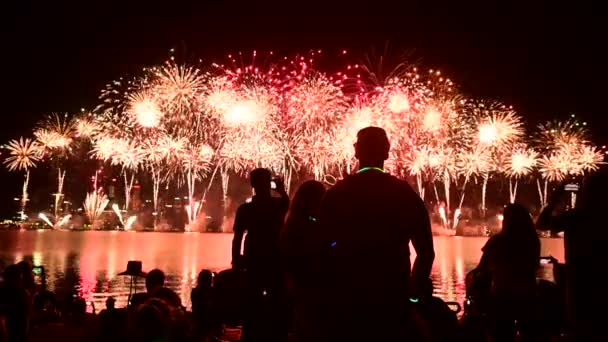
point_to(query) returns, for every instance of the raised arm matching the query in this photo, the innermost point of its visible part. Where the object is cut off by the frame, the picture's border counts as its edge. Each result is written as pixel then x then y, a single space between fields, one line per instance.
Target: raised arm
pixel 422 240
pixel 284 197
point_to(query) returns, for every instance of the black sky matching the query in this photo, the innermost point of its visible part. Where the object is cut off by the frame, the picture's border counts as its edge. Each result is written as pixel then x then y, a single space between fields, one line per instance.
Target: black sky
pixel 56 56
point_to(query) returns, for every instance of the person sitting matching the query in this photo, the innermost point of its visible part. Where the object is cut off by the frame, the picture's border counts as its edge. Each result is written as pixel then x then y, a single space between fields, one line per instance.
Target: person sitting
pixel 112 322
pixel 152 321
pixel 14 304
pixel 155 281
pixel 230 296
pixel 511 259
pixel 202 300
pixel 441 321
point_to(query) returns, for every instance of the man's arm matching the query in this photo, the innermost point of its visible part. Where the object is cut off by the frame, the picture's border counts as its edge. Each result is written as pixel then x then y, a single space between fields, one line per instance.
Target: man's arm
pixel 284 197
pixel 422 240
pixel 239 229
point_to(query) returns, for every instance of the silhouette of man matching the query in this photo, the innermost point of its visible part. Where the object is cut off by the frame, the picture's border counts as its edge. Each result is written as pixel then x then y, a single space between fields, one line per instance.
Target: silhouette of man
pixel 262 219
pixel 155 287
pixel 370 218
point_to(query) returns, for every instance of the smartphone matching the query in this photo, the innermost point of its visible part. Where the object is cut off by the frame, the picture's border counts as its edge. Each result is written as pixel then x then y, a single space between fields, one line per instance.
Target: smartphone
pixel 37 270
pixel 38 274
pixel 273 185
pixel 572 187
pixel 545 260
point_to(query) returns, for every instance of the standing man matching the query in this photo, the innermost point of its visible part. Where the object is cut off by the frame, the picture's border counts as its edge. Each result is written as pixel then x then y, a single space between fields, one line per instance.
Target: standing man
pixel 262 219
pixel 368 221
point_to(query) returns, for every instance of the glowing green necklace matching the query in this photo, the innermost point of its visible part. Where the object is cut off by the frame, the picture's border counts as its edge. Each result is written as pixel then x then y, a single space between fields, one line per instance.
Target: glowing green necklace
pixel 365 169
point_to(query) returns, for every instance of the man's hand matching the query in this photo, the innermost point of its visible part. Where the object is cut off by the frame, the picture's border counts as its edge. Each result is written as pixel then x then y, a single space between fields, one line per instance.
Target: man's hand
pixel 280 186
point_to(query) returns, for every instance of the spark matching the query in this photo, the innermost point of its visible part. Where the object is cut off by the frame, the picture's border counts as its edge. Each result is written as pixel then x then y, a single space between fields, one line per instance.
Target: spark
pixel 398 103
pixel 130 221
pixel 116 210
pixel 521 162
pixel 243 113
pixel 144 110
pixel 64 220
pixel 44 218
pixel 86 127
pixel 497 129
pixel 94 204
pixel 55 133
pixel 23 154
pixel 432 120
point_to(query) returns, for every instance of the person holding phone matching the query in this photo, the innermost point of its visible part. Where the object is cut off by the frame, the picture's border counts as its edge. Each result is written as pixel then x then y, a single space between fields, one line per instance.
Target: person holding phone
pixel 585 241
pixel 262 219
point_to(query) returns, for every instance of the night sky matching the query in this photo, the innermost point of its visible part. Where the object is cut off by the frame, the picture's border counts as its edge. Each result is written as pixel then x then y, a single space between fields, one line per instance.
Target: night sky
pixel 56 57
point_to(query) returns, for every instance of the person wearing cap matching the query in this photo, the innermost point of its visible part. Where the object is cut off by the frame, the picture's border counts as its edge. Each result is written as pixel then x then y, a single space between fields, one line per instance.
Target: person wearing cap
pixel 367 221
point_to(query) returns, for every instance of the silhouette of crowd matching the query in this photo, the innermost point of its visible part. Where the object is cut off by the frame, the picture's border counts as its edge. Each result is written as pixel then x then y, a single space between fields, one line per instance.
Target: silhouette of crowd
pixel 333 264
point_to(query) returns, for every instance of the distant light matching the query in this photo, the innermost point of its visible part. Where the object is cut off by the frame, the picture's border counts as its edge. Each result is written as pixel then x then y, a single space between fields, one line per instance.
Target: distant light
pixel 500 217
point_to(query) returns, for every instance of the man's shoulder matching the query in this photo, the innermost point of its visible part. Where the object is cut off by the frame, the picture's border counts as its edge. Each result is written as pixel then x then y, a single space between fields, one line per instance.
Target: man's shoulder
pixel 387 180
pixel 244 207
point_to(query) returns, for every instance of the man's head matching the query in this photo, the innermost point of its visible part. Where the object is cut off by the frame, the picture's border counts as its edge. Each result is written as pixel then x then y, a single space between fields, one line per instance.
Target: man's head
pixel 372 146
pixel 110 303
pixel 155 280
pixel 260 181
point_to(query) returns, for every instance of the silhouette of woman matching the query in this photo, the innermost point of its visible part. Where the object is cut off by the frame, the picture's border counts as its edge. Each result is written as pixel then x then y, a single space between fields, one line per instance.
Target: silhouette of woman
pixel 302 257
pixel 511 259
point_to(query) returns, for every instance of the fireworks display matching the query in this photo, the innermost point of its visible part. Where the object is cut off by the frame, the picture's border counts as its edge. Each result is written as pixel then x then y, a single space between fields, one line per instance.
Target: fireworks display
pixel 189 125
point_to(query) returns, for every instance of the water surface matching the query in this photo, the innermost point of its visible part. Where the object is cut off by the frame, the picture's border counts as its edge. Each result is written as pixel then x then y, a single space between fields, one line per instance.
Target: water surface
pixel 90 261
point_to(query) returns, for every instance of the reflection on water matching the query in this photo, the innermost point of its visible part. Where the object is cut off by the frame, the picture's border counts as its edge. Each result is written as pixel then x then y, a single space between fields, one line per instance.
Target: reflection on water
pixel 90 261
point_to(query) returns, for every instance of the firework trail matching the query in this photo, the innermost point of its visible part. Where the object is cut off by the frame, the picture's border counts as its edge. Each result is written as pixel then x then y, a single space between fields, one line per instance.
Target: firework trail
pixel 116 210
pixel 195 160
pixel 94 204
pixel 153 157
pixel 55 134
pixel 46 220
pixel 566 153
pixel 247 99
pixel 499 128
pixel 521 162
pixel 129 223
pixel 23 155
pixel 314 105
pixel 188 124
pixel 470 164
